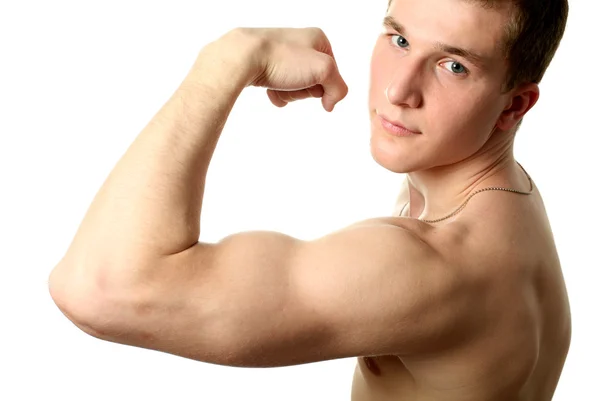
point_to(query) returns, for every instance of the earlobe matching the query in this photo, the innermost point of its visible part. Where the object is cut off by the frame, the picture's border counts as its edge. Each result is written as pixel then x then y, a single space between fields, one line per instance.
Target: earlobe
pixel 522 100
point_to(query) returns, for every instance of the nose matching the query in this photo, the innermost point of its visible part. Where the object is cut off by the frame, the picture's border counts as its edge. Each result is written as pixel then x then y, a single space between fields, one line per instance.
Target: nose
pixel 405 88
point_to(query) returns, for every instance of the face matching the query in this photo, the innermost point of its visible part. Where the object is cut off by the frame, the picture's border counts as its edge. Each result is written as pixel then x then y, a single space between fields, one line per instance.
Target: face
pixel 424 77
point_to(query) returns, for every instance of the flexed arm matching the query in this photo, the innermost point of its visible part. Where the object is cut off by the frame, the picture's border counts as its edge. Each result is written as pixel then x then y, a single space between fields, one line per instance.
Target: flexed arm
pixel 150 205
pixel 136 273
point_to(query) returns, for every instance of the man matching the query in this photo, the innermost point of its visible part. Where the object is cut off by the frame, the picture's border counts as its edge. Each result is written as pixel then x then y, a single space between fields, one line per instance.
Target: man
pixel 461 297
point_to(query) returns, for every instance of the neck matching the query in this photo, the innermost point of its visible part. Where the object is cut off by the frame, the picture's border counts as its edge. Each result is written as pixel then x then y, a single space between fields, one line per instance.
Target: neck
pixel 438 191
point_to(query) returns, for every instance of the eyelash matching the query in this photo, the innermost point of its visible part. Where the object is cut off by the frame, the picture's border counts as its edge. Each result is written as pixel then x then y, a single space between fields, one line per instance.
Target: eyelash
pixel 465 73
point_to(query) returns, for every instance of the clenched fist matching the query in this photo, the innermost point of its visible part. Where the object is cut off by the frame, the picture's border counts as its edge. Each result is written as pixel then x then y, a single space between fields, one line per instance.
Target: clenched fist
pixel 292 63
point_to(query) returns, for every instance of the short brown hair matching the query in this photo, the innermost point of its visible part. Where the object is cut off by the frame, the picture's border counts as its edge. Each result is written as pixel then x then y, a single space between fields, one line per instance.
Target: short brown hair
pixel 532 36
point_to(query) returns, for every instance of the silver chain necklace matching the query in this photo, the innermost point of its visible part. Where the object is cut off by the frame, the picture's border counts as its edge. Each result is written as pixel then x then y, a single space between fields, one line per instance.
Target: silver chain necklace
pixel 461 207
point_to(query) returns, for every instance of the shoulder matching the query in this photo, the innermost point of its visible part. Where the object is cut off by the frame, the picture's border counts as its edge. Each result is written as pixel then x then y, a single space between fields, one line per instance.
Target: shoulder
pixel 497 233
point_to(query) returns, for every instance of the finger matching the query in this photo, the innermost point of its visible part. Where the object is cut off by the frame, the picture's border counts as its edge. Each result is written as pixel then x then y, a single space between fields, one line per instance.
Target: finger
pixel 290 96
pixel 316 91
pixel 324 45
pixel 319 41
pixel 333 84
pixel 275 99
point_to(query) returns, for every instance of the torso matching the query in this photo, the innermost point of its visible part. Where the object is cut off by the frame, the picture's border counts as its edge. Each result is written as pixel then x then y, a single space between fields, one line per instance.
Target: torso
pixel 520 352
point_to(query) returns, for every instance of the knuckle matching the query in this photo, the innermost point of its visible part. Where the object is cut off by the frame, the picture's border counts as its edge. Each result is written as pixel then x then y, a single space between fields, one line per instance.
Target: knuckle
pixel 316 36
pixel 326 67
pixel 316 31
pixel 319 36
pixel 319 41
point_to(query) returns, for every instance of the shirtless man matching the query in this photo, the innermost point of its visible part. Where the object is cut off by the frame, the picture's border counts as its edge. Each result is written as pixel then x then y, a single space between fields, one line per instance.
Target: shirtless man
pixel 458 298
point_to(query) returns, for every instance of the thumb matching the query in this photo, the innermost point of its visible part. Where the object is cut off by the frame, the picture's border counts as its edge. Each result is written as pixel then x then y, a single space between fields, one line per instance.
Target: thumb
pixel 334 86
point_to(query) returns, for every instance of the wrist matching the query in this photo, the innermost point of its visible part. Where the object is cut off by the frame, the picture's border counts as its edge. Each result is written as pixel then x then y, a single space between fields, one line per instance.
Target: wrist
pixel 232 61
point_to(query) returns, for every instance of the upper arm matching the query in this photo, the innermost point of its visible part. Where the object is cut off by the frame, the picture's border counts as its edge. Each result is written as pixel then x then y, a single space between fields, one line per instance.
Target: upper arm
pixel 267 299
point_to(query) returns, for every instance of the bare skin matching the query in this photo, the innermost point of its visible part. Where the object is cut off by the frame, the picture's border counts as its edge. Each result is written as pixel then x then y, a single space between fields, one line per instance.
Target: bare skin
pixel 520 356
pixel 472 308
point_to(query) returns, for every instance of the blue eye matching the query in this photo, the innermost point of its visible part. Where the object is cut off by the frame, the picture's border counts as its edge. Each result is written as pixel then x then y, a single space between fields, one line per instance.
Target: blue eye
pixel 401 41
pixel 456 67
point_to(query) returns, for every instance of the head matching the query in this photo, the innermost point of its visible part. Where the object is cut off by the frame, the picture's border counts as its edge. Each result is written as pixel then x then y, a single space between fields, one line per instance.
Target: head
pixel 463 73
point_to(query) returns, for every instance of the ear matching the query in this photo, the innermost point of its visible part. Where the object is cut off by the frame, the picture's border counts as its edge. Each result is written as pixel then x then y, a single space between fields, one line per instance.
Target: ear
pixel 520 102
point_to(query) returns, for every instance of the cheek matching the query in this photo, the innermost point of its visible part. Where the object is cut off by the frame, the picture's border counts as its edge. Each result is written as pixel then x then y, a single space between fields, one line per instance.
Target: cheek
pixel 379 66
pixel 462 111
pixel 380 73
pixel 483 115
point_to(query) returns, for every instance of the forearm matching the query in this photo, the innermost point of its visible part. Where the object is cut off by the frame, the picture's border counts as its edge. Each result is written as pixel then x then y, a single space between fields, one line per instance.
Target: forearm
pixel 150 204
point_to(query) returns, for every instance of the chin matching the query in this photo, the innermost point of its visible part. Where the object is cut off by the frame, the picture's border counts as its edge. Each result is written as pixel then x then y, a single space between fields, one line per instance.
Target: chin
pixel 390 156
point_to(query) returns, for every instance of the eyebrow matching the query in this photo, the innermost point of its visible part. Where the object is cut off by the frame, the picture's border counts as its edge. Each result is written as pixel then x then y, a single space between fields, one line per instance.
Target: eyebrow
pixel 473 57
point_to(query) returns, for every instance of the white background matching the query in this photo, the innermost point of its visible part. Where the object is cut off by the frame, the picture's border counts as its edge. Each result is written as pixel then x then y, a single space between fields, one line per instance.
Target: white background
pixel 79 80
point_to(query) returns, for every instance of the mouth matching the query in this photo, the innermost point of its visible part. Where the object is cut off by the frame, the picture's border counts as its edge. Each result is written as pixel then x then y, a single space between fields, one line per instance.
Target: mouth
pixel 395 127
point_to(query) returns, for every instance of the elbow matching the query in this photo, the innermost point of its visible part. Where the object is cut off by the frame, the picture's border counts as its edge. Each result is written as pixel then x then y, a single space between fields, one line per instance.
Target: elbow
pixel 78 300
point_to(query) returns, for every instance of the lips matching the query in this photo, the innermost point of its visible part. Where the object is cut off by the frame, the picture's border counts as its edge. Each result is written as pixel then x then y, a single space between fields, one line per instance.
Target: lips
pixel 398 124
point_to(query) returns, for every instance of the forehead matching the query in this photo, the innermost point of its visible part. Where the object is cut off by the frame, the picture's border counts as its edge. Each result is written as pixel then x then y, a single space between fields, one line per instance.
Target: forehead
pixel 457 23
